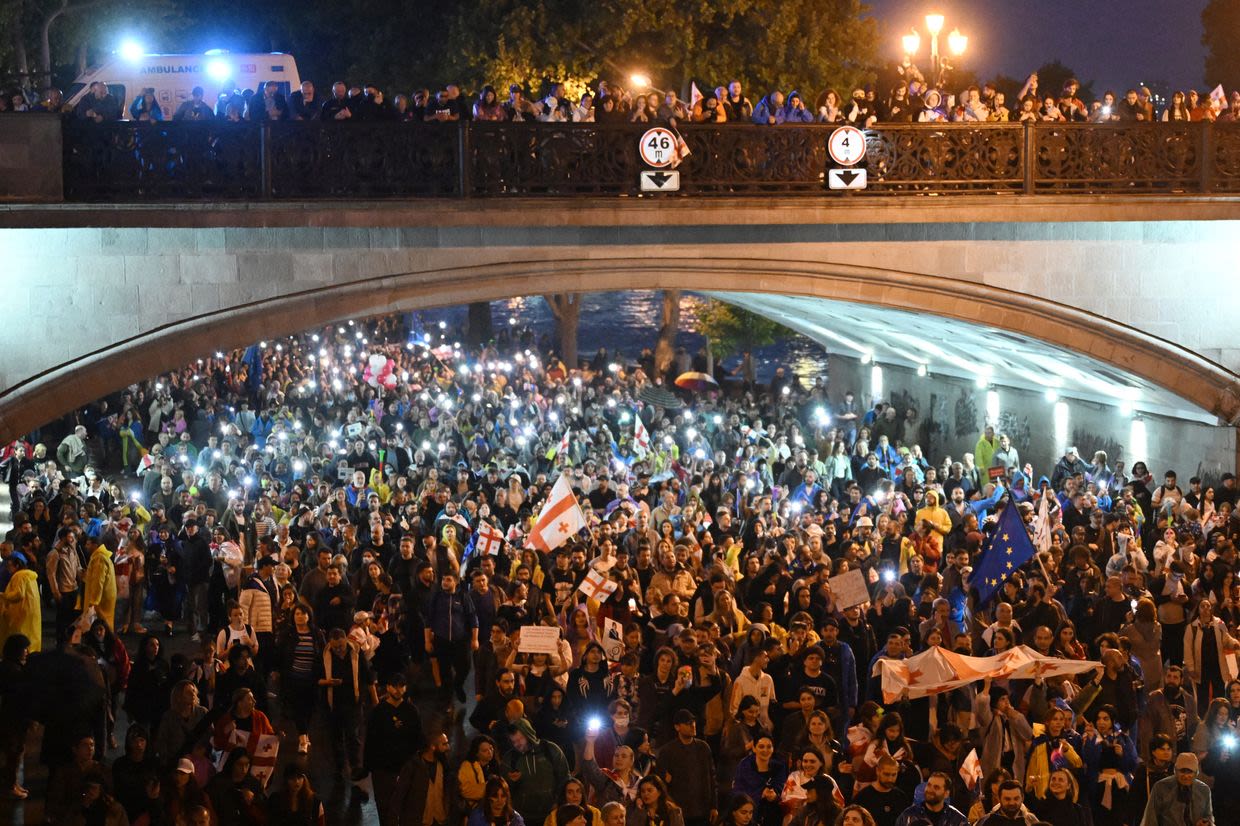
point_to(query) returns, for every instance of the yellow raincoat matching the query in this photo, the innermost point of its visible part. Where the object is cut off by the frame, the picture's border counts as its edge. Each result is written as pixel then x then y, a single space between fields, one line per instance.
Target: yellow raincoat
pixel 935 514
pixel 101 585
pixel 23 613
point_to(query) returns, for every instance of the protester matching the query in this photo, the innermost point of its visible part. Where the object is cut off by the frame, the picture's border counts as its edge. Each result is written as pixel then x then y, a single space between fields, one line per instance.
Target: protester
pixel 430 507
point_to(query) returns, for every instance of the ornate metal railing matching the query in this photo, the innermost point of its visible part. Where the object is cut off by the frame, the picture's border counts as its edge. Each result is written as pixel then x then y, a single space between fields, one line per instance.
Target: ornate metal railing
pixel 175 161
pixel 124 162
pixel 361 160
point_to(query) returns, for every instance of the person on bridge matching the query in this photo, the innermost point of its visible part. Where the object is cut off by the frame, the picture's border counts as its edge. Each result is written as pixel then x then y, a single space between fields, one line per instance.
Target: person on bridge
pixel 794 110
pixel 766 113
pixel 98 106
pixel 195 109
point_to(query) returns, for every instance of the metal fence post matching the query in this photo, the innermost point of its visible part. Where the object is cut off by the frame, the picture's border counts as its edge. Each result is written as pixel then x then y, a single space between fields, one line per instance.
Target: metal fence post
pixel 1206 149
pixel 264 154
pixel 464 160
pixel 1030 156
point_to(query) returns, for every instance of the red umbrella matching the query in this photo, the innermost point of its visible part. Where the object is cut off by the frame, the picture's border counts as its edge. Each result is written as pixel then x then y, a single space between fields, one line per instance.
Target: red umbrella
pixel 697 382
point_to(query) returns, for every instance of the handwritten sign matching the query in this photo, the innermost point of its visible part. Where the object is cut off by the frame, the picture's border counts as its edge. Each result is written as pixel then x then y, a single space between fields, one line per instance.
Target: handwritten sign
pixel 849 589
pixel 539 639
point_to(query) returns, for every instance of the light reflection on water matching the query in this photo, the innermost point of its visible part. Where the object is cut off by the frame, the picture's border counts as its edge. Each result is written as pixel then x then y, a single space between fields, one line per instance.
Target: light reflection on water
pixel 628 322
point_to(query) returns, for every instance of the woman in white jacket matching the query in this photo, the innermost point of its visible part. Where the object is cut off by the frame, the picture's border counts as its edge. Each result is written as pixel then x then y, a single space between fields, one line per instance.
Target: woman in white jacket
pixel 1208 678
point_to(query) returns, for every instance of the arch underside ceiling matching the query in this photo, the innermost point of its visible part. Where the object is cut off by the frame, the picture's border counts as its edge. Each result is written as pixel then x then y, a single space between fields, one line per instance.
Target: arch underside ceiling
pixel 1189 382
pixel 975 352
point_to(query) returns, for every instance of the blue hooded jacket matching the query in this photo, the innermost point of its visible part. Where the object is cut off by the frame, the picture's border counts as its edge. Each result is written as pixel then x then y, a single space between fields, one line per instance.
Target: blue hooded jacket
pixel 767 109
pixel 792 114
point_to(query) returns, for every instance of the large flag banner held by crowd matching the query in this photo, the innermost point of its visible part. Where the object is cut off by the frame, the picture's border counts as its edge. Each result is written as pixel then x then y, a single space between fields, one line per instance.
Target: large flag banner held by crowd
pixel 940 669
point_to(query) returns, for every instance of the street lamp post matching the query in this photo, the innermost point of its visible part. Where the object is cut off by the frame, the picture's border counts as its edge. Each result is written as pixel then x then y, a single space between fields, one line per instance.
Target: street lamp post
pixel 643 81
pixel 956 44
pixel 934 25
pixel 911 43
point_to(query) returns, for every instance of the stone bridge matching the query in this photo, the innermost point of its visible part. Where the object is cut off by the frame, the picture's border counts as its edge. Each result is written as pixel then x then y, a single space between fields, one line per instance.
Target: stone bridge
pixel 1141 286
pixel 99 295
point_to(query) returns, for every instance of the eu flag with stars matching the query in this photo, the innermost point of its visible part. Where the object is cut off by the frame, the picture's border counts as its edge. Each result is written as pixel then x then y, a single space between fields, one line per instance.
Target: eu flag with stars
pixel 1009 548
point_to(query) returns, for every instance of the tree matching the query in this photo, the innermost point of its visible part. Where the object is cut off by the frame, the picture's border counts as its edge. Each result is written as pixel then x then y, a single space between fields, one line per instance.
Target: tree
pixel 566 309
pixel 765 44
pixel 665 348
pixel 480 329
pixel 1053 75
pixel 1220 20
pixel 1010 87
pixel 30 28
pixel 731 329
pixel 405 45
pixel 956 81
pixel 51 42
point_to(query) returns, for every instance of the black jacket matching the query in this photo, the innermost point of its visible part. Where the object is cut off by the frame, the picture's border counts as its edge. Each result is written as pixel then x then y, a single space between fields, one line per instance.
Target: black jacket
pixel 409 796
pixel 299 107
pixel 196 559
pixel 393 736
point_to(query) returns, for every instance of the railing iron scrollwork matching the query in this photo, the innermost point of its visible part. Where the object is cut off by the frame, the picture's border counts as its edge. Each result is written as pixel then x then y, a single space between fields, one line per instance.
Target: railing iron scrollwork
pixel 124 162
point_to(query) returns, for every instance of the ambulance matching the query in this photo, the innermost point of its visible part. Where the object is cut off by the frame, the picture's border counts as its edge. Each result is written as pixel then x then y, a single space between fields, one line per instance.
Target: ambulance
pixel 173 76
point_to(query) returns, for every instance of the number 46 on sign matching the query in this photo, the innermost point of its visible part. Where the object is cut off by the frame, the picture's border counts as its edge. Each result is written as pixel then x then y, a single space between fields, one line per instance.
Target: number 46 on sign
pixel 660 147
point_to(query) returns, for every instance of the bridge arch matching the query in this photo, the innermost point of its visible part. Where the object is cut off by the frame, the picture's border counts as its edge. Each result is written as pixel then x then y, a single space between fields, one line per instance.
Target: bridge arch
pixel 51 393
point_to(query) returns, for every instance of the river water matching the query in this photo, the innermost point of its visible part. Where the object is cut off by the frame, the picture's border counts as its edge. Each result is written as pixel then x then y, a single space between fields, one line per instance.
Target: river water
pixel 628 322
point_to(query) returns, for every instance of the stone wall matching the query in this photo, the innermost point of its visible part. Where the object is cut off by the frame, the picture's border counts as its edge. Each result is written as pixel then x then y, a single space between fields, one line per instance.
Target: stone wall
pixel 952 413
pixel 31 167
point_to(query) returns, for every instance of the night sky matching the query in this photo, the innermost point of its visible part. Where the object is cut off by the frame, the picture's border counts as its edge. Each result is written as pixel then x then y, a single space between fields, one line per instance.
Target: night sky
pixel 1115 43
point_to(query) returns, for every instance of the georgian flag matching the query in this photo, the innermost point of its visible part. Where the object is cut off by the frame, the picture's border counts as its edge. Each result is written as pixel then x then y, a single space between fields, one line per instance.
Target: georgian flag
pixel 559 520
pixel 1042 527
pixel 971 770
pixel 597 586
pixel 641 436
pixel 681 152
pixel 561 447
pixel 488 541
pixel 263 761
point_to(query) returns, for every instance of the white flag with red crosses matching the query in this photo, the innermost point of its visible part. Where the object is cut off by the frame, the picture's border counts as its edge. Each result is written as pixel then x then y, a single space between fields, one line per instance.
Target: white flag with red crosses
pixel 597 586
pixel 641 436
pixel 560 519
pixel 488 541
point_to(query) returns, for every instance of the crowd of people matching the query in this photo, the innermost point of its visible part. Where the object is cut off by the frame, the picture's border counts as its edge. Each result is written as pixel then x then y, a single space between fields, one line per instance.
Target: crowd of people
pixel 911 100
pixel 342 538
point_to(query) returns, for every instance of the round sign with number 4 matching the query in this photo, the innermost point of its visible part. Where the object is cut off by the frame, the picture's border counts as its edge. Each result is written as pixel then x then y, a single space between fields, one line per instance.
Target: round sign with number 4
pixel 846 145
pixel 658 146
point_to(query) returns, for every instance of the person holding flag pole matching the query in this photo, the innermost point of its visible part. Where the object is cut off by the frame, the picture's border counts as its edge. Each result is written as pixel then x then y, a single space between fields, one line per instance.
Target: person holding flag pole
pixel 559 520
pixel 1042 531
pixel 485 541
pixel 1009 549
pixel 561 449
pixel 641 436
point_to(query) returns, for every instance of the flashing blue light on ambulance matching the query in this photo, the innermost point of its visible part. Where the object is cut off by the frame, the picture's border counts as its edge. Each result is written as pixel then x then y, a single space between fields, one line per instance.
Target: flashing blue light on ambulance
pixel 219 70
pixel 131 50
